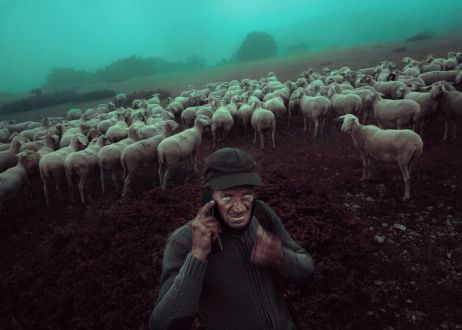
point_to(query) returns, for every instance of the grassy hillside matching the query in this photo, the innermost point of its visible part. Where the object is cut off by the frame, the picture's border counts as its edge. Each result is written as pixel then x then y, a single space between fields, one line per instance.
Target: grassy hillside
pixel 285 68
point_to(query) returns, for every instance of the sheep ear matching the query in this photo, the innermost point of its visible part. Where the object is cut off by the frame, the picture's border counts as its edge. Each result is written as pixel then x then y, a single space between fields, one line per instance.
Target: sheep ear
pixel 340 118
pixel 82 141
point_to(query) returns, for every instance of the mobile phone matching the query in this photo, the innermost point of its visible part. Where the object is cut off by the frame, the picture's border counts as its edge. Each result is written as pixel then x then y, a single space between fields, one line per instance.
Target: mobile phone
pixel 216 246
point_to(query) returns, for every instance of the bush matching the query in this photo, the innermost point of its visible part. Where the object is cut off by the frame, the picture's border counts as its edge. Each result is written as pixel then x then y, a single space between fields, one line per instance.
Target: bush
pixel 256 45
pixel 41 100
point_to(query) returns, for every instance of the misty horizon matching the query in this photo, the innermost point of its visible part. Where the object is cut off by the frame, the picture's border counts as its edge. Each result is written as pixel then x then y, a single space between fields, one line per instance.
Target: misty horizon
pixel 89 35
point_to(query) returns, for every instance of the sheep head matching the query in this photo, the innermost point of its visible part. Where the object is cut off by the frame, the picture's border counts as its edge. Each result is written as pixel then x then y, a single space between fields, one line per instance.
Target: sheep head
pixel 349 122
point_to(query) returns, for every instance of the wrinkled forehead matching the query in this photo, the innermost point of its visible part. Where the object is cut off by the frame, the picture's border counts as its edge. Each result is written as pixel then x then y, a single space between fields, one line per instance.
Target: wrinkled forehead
pixel 237 190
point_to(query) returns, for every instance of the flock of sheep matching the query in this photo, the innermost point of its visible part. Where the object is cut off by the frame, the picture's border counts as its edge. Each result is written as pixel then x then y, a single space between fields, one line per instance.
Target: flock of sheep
pixel 118 140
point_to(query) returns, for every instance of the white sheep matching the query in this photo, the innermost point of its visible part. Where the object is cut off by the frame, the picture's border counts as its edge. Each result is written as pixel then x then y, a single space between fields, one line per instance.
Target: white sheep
pixel 74 114
pixel 403 146
pixel 275 104
pixel 397 112
pixel 14 179
pixel 262 120
pixel 8 157
pixel 388 88
pixel 436 76
pixel 222 122
pixel 450 105
pixel 428 106
pixel 143 152
pixel 109 157
pixel 4 135
pixel 51 165
pixel 314 108
pixel 82 164
pixel 344 103
pixel 181 146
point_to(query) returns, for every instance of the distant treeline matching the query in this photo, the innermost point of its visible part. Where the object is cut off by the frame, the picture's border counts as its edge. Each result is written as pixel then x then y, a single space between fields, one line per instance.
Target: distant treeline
pixel 122 69
pixel 41 100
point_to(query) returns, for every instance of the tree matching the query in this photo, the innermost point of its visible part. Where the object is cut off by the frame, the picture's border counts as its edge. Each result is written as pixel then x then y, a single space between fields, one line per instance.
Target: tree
pixel 64 78
pixel 256 45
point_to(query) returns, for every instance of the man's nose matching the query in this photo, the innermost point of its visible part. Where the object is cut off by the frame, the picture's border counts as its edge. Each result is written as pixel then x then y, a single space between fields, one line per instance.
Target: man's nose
pixel 238 206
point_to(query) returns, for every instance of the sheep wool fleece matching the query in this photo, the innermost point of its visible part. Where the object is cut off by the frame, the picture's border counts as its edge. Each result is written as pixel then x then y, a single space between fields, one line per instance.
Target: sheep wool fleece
pixel 228 290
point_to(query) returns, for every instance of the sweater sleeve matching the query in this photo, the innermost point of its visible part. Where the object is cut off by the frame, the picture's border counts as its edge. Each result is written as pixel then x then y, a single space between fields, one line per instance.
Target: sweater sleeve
pixel 297 265
pixel 180 287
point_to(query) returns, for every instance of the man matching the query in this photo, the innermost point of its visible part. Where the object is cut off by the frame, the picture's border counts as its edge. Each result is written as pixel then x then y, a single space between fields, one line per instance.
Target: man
pixel 236 287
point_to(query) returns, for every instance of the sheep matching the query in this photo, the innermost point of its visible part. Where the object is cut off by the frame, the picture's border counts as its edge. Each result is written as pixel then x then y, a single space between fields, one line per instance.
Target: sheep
pixel 399 112
pixel 117 132
pixel 8 157
pixel 183 145
pixel 143 152
pixel 275 105
pixel 222 122
pixel 428 105
pixel 74 114
pixel 21 126
pixel 262 120
pixel 15 179
pixel 82 163
pixel 188 116
pixel 4 135
pixel 109 157
pixel 344 103
pixel 403 146
pixel 121 100
pixel 245 114
pixel 66 133
pixel 435 76
pixel 51 165
pixel 316 108
pixel 388 88
pixel 450 105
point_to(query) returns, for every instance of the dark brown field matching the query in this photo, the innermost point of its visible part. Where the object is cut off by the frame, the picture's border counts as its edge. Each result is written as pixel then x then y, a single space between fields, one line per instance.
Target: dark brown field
pixel 380 263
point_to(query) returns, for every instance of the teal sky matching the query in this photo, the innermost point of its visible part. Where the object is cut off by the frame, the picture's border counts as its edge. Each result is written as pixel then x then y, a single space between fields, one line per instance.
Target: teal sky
pixel 36 35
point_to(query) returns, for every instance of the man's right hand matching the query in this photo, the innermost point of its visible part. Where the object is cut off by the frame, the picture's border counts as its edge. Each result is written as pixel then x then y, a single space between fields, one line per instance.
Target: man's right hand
pixel 205 228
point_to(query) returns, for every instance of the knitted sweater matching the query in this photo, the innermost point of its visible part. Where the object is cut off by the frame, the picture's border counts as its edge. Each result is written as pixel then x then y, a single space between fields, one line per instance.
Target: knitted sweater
pixel 228 290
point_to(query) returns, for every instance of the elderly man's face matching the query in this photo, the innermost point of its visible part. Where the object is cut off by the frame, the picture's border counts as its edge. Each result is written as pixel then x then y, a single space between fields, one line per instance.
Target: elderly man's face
pixel 235 205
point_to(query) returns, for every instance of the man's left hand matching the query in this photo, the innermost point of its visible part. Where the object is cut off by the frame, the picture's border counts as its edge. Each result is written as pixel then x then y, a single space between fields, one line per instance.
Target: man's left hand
pixel 267 250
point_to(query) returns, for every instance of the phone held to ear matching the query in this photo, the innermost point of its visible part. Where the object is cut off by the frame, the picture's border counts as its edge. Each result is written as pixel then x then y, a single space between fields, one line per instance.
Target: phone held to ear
pixel 216 243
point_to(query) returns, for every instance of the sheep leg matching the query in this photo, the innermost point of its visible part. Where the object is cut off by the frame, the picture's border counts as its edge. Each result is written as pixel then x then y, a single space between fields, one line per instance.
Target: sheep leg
pixel 316 126
pixel 290 117
pixel 213 136
pixel 81 186
pixel 114 179
pixel 59 191
pixel 45 190
pixel 454 130
pixel 69 183
pixel 446 127
pixel 406 177
pixel 262 143
pixel 164 186
pixel 272 136
pixel 103 183
pixel 255 136
pixel 127 180
pixel 161 176
pixel 304 123
pixel 365 167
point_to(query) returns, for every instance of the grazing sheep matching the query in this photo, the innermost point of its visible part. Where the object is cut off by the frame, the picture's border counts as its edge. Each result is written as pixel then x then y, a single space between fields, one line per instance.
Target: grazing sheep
pixel 120 100
pixel 15 179
pixel 143 152
pixel 8 157
pixel 388 88
pixel 428 106
pixel 435 76
pixel 82 164
pixel 397 112
pixel 4 135
pixel 316 108
pixel 403 146
pixel 73 114
pixel 450 105
pixel 222 122
pixel 51 165
pixel 109 157
pixel 262 120
pixel 344 103
pixel 181 146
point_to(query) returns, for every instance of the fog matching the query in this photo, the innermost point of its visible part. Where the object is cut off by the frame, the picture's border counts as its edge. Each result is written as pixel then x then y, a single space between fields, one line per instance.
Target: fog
pixel 36 35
